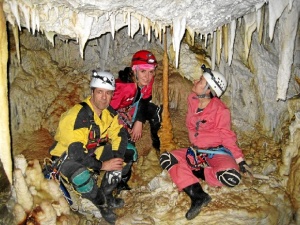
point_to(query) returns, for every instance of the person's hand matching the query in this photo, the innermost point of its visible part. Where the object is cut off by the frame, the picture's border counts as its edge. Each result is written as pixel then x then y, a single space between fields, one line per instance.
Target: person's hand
pixel 112 164
pixel 136 132
pixel 245 168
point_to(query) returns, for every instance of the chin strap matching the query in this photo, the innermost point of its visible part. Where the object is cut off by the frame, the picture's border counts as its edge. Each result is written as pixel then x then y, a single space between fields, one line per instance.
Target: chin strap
pixel 204 95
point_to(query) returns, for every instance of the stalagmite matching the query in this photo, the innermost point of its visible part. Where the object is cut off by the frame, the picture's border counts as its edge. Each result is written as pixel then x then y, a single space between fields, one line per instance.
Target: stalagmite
pixel 178 32
pixel 5 153
pixel 231 40
pixel 167 142
pixel 250 26
pixel 23 195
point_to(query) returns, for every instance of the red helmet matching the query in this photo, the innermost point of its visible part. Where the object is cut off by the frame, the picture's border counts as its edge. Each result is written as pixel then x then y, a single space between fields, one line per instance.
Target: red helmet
pixel 143 57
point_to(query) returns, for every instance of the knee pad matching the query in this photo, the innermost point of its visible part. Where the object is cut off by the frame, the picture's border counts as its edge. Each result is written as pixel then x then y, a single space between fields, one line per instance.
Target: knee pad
pixel 167 160
pixel 229 178
pixel 131 153
pixel 82 181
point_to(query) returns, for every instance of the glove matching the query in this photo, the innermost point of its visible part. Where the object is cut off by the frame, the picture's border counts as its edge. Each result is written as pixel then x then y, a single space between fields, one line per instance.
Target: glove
pixel 244 168
pixel 114 177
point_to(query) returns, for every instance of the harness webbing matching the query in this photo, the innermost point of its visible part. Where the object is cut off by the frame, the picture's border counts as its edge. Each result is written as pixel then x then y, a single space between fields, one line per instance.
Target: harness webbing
pixel 217 150
pixel 90 113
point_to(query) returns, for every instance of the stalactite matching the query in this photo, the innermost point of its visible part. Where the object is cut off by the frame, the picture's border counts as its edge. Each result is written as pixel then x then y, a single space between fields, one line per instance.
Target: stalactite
pixel 5 153
pixel 14 8
pixel 149 32
pixel 33 20
pixel 205 39
pixel 17 41
pixel 26 13
pixel 178 32
pixel 213 51
pixel 82 28
pixel 219 45
pixel 50 36
pixel 250 26
pixel 166 139
pixel 231 40
pixel 160 34
pixel 287 36
pixel 128 24
pixel 275 10
pixel 112 24
pixel 225 42
pixel 260 22
pixel 192 34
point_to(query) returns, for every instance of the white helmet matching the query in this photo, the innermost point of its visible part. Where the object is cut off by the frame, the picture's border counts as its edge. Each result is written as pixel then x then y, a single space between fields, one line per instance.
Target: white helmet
pixel 103 80
pixel 216 81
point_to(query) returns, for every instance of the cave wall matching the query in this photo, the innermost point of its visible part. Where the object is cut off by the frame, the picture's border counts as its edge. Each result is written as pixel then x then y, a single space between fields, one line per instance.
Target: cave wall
pixel 37 82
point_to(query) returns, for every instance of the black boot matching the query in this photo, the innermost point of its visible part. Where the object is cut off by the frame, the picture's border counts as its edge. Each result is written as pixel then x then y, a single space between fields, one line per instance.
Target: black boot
pixel 199 199
pixel 153 115
pixel 108 189
pixel 123 184
pixel 199 173
pixel 100 202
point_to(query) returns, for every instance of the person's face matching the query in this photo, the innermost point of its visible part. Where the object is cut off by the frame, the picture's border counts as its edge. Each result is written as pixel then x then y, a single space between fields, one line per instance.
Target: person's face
pixel 145 76
pixel 199 86
pixel 101 98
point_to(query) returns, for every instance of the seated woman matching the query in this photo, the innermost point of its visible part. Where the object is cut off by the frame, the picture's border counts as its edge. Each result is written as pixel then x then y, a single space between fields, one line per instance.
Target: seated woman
pixel 214 155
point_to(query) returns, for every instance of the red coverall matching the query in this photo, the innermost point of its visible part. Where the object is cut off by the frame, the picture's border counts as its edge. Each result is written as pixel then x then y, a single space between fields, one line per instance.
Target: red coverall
pixel 208 128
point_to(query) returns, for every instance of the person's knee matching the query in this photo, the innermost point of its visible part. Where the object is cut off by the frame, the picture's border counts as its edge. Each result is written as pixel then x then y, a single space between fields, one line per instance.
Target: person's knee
pixel 167 160
pixel 230 178
pixel 82 181
pixel 131 153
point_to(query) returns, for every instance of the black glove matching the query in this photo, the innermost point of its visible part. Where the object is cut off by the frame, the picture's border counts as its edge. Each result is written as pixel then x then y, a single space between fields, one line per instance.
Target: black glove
pixel 244 168
pixel 114 177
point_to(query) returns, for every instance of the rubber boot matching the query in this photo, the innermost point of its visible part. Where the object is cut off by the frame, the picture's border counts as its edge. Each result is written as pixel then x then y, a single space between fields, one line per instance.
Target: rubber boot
pixel 123 185
pixel 153 115
pixel 154 136
pixel 199 199
pixel 108 189
pixel 100 202
pixel 199 173
pixel 155 124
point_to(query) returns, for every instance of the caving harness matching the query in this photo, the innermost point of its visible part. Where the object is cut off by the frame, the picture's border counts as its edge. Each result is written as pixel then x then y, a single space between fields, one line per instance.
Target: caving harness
pixel 94 139
pixel 51 171
pixel 196 157
pixel 125 117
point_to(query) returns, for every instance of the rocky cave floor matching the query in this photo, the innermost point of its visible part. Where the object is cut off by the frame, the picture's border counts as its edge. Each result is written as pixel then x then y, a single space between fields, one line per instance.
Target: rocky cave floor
pixel 155 200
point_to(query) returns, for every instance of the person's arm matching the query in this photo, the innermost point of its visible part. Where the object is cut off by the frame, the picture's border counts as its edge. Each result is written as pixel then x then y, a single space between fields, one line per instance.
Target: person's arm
pixel 228 137
pixel 192 104
pixel 142 109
